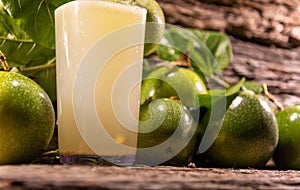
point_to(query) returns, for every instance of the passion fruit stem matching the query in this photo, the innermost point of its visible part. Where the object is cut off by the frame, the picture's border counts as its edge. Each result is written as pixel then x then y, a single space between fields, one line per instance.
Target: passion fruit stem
pixel 53 153
pixel 3 61
pixel 271 97
pixel 51 64
pixel 183 61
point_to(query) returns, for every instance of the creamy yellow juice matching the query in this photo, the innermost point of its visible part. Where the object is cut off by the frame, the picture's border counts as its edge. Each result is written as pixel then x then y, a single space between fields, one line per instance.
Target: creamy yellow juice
pixel 80 28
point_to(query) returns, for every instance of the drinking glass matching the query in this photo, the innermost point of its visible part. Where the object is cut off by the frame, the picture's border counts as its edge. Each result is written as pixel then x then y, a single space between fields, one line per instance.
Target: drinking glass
pixel 99 52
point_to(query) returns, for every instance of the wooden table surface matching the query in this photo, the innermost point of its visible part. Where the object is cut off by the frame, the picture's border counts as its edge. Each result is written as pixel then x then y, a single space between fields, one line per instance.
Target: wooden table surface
pixel 38 176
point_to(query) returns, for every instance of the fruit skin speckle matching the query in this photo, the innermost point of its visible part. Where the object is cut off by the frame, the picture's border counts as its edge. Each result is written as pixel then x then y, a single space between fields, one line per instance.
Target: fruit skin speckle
pixel 169 132
pixel 27 119
pixel 166 82
pixel 248 136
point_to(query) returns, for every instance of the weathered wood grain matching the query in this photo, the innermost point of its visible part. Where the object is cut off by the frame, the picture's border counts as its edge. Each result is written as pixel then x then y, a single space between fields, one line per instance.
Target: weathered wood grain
pixel 97 177
pixel 277 67
pixel 268 22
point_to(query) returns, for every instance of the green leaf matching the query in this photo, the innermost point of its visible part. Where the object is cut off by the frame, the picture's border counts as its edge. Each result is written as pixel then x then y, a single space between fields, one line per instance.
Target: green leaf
pixel 209 51
pixel 173 44
pixel 19 48
pixel 21 51
pixel 37 18
pixel 181 41
pixel 236 88
pixel 253 86
pixel 218 43
pixel 213 96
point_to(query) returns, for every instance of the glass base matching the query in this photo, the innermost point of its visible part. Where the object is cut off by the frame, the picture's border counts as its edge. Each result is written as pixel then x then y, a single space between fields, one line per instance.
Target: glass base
pixel 126 160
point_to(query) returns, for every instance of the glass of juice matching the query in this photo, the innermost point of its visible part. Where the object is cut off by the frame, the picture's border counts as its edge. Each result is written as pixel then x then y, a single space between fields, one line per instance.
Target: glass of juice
pixel 99 52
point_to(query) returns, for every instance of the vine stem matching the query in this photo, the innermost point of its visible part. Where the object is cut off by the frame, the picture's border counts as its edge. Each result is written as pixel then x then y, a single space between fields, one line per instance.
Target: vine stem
pixel 221 82
pixel 271 97
pixel 49 65
pixel 3 61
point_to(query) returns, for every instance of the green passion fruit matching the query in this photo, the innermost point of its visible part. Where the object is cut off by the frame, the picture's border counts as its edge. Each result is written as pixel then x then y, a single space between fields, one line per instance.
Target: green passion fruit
pixel 167 133
pixel 287 154
pixel 181 83
pixel 27 119
pixel 248 135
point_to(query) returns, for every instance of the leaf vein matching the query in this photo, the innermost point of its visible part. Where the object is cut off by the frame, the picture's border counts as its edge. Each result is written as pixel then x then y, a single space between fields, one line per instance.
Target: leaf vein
pixel 37 13
pixel 19 4
pixel 31 49
pixel 16 40
pixel 2 43
pixel 49 12
pixel 19 46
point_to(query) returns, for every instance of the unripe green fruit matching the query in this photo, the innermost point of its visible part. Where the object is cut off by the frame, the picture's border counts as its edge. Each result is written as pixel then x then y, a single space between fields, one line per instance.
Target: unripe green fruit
pixel 160 119
pixel 166 82
pixel 248 135
pixel 27 119
pixel 287 154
